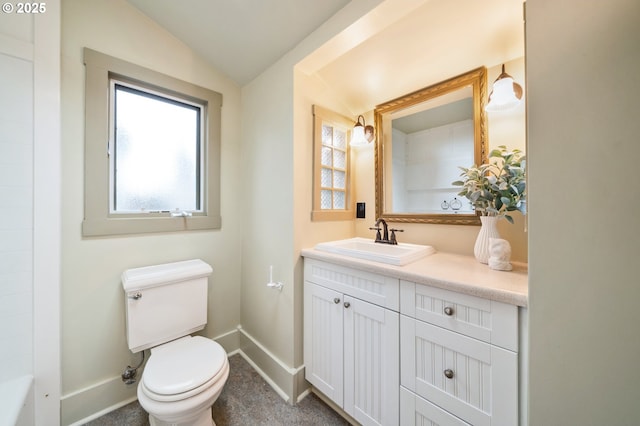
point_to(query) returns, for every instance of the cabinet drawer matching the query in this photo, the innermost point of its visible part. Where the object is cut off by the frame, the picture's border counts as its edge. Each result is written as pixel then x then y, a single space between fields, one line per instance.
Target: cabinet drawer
pixel 416 411
pixel 487 320
pixel 471 379
pixel 377 289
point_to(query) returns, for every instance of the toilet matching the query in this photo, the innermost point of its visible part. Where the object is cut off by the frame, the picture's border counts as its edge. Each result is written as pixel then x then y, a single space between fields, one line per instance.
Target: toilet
pixel 185 374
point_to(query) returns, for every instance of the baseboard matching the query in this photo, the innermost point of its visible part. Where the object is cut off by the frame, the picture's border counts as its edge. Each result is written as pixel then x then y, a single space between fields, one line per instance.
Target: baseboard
pixel 92 402
pixel 288 382
pixel 303 395
pixel 81 406
pixel 89 403
pixel 334 406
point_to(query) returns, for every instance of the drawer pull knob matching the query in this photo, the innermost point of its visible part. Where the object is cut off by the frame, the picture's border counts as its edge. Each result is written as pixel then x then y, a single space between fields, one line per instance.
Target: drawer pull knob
pixel 336 300
pixel 448 311
pixel 448 373
pixel 347 304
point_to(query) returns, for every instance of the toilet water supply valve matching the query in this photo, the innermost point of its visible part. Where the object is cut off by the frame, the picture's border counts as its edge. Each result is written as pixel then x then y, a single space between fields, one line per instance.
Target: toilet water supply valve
pixel 129 374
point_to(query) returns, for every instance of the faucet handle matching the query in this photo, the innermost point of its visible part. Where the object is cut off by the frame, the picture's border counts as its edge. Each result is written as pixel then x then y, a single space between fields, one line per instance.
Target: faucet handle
pixel 377 229
pixel 392 239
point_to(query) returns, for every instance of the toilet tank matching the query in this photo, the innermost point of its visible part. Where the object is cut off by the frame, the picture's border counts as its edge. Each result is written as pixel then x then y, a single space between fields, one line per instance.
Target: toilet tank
pixel 164 302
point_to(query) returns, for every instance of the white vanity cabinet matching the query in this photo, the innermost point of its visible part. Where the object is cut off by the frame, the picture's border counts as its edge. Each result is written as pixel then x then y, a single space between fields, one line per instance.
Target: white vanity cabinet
pixel 459 359
pixel 351 340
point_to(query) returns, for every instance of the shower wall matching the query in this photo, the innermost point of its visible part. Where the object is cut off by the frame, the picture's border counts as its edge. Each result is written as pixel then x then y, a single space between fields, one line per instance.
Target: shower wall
pixel 16 196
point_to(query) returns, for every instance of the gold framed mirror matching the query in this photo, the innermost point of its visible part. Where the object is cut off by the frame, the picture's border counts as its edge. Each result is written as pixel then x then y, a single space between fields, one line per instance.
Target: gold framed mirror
pixel 423 138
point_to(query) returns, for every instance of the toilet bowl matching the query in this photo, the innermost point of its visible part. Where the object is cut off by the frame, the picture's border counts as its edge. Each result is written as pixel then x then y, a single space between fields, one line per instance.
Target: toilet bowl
pixel 185 374
pixel 182 380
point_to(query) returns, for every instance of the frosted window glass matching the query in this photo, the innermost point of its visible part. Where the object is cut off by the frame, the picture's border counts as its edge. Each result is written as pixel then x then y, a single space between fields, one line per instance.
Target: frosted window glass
pixel 340 139
pixel 157 153
pixel 325 180
pixel 325 199
pixel 327 135
pixel 339 179
pixel 338 200
pixel 339 159
pixel 326 156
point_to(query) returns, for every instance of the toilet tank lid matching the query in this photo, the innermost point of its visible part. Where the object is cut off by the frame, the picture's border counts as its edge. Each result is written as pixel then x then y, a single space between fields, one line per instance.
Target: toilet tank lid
pixel 167 273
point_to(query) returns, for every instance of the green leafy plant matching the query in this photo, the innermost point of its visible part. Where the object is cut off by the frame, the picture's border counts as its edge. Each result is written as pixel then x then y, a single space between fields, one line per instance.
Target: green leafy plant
pixel 499 187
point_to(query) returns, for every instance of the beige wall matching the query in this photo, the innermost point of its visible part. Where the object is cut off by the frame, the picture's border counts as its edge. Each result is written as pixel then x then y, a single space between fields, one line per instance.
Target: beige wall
pixel 276 173
pixel 94 348
pixel 583 117
pixel 505 128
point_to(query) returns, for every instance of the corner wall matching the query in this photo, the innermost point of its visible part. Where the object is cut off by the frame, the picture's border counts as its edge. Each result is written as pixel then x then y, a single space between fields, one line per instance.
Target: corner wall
pixel 583 116
pixel 276 215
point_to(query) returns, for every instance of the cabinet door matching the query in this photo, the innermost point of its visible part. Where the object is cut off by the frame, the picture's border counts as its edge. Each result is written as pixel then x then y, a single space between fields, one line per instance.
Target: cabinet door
pixel 323 343
pixel 371 363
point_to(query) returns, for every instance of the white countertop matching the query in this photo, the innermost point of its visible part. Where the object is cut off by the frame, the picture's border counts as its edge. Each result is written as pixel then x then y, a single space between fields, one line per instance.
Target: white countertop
pixel 462 274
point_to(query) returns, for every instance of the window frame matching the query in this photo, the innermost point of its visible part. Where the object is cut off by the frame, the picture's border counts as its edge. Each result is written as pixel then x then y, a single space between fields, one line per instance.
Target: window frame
pixel 99 219
pixel 321 115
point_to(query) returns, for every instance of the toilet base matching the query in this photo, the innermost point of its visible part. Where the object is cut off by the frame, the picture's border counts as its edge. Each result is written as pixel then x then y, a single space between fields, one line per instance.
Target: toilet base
pixel 204 419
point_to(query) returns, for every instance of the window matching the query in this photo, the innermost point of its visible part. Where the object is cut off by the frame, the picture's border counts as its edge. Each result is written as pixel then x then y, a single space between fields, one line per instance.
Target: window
pixel 155 158
pixel 152 151
pixel 332 179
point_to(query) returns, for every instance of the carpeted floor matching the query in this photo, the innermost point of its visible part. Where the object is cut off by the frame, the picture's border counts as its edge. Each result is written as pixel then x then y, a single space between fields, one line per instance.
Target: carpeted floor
pixel 247 400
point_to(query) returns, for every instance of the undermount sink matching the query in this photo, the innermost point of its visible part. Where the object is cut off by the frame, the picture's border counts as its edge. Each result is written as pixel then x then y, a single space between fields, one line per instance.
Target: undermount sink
pixel 366 249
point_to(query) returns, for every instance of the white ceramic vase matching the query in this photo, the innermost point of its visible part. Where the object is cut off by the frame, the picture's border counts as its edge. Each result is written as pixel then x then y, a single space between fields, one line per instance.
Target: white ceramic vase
pixel 488 230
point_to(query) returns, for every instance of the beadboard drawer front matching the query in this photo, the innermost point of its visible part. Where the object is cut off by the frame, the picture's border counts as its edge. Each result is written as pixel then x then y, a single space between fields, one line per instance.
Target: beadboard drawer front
pixel 482 387
pixel 377 289
pixel 487 320
pixel 416 411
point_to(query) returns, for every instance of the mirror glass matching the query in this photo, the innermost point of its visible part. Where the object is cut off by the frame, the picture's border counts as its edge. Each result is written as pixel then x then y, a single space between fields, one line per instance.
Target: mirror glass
pixel 423 138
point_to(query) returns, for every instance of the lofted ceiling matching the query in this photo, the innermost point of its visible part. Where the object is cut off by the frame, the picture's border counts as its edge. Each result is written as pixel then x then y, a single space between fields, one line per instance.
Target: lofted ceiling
pixel 409 44
pixel 240 38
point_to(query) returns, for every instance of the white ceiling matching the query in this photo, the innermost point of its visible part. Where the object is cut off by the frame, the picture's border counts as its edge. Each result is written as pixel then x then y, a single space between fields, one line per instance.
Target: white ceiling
pixel 240 38
pixel 430 41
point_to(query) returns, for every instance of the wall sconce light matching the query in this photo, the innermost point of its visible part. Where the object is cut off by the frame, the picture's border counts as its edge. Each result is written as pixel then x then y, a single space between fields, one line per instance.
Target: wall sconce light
pixel 506 93
pixel 362 133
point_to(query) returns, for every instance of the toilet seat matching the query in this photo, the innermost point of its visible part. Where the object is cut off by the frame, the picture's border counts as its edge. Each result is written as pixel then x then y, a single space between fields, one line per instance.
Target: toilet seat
pixel 182 368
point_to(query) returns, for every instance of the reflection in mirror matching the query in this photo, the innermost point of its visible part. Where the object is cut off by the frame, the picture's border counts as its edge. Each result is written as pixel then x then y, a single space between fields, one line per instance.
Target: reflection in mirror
pixel 423 138
pixel 427 146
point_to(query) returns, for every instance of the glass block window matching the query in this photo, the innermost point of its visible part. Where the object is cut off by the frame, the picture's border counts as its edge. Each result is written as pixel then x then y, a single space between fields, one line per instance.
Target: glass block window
pixel 331 166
